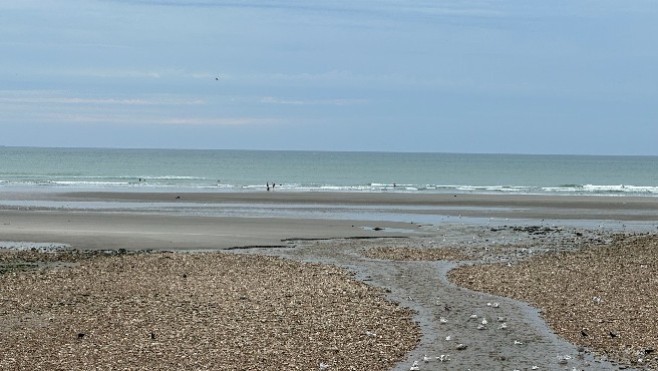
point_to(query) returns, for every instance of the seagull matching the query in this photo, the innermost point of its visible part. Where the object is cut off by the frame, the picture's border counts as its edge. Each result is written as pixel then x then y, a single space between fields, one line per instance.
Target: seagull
pixel 448 338
pixel 484 321
pixel 501 319
pixel 443 320
pixel 516 342
pixel 495 305
pixel 371 334
pixel 444 357
pixel 481 327
pixel 534 368
pixel 474 316
pixel 414 366
pixel 323 366
pixel 503 326
pixel 426 358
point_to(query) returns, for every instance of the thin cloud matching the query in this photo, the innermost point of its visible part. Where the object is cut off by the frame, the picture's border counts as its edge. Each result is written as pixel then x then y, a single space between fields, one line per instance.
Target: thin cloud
pixel 380 9
pixel 120 73
pixel 326 102
pixel 223 121
pixel 338 78
pixel 49 97
pixel 131 74
pixel 132 120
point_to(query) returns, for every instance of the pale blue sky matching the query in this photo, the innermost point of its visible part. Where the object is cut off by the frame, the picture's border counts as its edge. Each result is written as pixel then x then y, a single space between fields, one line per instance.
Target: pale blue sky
pixel 517 76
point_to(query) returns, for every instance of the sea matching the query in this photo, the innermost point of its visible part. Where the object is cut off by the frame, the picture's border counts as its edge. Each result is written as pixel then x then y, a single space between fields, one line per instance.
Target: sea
pixel 166 170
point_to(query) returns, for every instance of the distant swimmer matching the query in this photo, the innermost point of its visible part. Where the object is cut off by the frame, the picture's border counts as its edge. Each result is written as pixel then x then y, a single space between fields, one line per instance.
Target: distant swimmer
pixel 268 186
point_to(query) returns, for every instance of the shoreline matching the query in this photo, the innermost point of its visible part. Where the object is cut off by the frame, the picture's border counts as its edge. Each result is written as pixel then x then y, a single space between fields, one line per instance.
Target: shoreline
pixel 363 207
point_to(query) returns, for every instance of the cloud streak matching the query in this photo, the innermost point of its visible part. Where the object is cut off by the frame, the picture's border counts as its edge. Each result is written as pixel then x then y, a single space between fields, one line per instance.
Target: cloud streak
pixel 53 97
pixel 312 102
pixel 384 8
pixel 142 120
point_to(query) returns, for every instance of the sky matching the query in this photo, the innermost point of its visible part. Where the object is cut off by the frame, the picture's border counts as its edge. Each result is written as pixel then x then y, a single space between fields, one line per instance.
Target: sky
pixel 466 76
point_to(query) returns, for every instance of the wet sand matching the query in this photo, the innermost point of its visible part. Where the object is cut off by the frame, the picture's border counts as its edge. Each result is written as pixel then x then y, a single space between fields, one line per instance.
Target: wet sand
pixel 409 261
pixel 613 208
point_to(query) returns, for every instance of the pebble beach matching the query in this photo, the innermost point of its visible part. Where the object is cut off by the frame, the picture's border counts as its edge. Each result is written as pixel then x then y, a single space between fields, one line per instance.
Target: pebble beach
pixel 210 311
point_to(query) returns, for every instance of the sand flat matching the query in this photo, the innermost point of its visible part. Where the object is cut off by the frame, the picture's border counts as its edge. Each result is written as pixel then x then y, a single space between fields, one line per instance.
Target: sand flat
pixel 618 208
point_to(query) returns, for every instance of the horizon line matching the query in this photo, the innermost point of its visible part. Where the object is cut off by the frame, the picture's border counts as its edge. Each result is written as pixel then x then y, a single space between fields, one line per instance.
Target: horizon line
pixel 331 151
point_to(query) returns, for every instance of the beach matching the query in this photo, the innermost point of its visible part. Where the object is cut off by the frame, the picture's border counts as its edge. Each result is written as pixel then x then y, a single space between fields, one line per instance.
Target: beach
pixel 408 265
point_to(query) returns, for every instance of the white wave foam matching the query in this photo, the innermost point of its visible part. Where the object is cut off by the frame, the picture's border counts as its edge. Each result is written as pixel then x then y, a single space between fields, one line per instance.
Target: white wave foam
pixel 191 183
pixel 620 188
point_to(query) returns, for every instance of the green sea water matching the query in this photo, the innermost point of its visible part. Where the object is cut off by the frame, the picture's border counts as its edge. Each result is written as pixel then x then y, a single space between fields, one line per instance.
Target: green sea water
pixel 301 171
